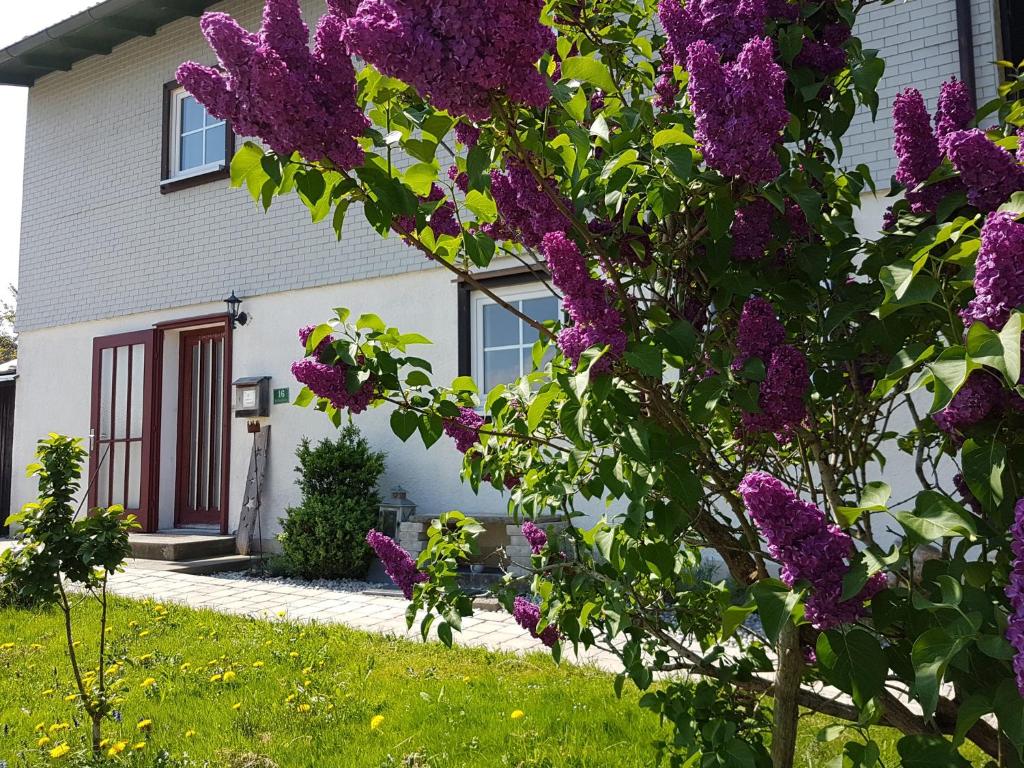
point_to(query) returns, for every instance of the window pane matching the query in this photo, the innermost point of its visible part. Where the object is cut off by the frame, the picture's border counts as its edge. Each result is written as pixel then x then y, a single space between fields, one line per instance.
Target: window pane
pixel 138 388
pixel 501 327
pixel 544 308
pixel 215 144
pixel 191 151
pixel 500 367
pixel 134 475
pixel 121 394
pixel 192 115
pixel 210 119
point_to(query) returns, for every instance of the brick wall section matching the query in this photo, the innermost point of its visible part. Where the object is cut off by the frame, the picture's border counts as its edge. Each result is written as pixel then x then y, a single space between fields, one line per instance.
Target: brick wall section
pixel 99 240
pixel 918 40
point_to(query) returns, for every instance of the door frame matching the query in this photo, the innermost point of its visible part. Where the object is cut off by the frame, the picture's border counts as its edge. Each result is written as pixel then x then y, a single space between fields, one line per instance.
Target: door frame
pixel 190 327
pixel 149 477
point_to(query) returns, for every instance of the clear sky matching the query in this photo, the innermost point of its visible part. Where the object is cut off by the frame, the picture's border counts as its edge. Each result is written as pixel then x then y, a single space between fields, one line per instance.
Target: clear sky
pixel 18 20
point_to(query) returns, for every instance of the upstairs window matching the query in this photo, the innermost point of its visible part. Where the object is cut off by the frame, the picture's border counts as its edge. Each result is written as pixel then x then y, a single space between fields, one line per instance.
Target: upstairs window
pixel 1011 15
pixel 196 144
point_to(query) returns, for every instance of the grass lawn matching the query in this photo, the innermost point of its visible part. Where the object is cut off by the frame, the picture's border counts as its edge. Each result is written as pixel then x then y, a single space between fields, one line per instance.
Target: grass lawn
pixel 216 690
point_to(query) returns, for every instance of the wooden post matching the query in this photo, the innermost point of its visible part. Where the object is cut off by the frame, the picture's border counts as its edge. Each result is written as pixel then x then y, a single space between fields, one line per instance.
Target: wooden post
pixel 788 677
pixel 253 490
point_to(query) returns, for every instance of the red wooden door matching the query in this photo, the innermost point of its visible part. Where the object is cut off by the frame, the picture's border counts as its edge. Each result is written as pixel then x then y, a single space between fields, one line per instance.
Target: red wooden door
pixel 122 455
pixel 202 408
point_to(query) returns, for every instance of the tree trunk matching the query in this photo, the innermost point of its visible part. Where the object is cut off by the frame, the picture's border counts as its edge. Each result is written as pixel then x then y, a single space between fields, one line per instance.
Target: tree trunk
pixel 786 692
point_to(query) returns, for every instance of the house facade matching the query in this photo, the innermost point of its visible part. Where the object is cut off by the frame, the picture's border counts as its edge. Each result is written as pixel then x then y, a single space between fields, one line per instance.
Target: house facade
pixel 131 240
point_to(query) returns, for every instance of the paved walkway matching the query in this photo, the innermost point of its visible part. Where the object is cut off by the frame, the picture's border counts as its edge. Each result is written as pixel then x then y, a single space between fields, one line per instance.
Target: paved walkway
pixel 358 610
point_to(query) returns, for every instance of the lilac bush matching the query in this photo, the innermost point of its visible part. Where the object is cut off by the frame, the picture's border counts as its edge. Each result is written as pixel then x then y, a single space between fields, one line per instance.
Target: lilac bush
pixel 737 362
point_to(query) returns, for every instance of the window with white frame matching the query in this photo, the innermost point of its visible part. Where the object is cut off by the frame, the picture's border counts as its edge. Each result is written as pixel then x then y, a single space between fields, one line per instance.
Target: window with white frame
pixel 197 140
pixel 502 342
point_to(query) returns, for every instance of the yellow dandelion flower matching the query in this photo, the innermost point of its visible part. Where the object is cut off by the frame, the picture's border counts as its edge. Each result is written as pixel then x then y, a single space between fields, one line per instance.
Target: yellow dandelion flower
pixel 228 676
pixel 268 643
pixel 6 646
pixel 144 633
pixel 159 608
pixel 237 706
pixel 466 679
pixel 76 643
pixel 116 748
pixel 517 714
pixel 216 678
pixel 280 614
pixel 290 699
pixel 306 682
pixel 47 692
pixel 133 624
pixel 59 751
pixel 58 727
pixel 303 708
pixel 307 671
pixel 140 745
pixel 149 682
pixel 185 667
pixel 71 697
pixel 39 726
pixel 189 733
pixel 113 669
pixel 376 722
pixel 35 646
pixel 258 664
pixel 147 657
pixel 43 741
pixel 144 725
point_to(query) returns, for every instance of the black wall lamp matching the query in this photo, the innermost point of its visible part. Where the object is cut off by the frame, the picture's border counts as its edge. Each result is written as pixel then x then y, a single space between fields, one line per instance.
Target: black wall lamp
pixel 237 318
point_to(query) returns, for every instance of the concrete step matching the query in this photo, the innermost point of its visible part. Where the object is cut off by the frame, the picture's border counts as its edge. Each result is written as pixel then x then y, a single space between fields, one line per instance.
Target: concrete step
pixel 180 545
pixel 202 566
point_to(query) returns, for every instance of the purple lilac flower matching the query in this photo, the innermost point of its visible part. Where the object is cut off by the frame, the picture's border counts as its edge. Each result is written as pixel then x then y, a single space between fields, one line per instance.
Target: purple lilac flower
pixel 725 24
pixel 527 615
pixel 826 55
pixel 739 109
pixel 534 536
pixel 759 332
pixel 666 89
pixel 752 230
pixel 783 10
pixel 460 178
pixel 782 394
pixel 999 272
pixel 272 86
pixel 464 429
pixel 456 52
pixel 597 101
pixel 398 564
pixel 330 381
pixel 971 404
pixel 954 111
pixel 467 134
pixel 990 173
pixel 917 150
pixel 809 548
pixel 527 211
pixel 587 301
pixel 1015 594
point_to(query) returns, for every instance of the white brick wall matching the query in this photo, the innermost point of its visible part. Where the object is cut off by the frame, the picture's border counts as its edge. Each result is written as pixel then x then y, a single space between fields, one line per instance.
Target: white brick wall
pixel 99 240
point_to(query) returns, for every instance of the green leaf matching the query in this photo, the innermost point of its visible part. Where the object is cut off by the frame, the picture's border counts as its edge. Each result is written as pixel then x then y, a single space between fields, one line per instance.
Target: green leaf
pixel 404 423
pixel 421 177
pixel 370 321
pixel 248 158
pixel 936 516
pixel 600 129
pixel 930 655
pixel 304 398
pixel 1000 351
pixel 853 661
pixel 539 406
pixel 481 205
pixel 873 499
pixel 983 465
pixel 775 603
pixel 671 136
pixel 733 617
pixel 588 69
pixel 464 384
pixel 929 752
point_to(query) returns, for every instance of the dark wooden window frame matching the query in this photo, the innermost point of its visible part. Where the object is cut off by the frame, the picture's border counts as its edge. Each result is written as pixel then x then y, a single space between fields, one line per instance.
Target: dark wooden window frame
pixel 168 184
pixel 201 324
pixel 498 278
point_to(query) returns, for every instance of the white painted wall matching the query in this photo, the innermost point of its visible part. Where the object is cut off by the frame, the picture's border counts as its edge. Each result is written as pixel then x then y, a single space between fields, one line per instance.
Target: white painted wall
pixel 55 382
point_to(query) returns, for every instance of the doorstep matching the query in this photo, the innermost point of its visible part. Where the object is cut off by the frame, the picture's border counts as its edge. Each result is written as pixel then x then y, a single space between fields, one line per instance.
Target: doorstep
pixel 181 544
